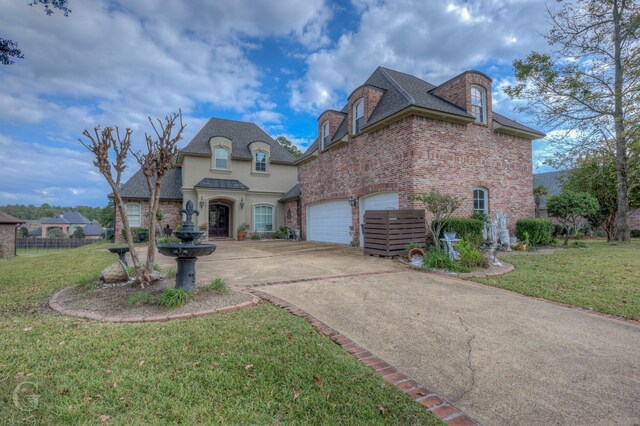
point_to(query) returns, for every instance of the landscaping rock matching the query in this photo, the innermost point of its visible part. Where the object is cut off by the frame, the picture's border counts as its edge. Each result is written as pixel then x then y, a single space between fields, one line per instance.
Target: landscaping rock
pixel 114 273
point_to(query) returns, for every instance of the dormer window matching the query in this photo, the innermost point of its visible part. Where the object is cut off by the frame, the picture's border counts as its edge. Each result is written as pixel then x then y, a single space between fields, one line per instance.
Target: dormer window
pixel 221 158
pixel 261 161
pixel 358 116
pixel 479 104
pixel 325 134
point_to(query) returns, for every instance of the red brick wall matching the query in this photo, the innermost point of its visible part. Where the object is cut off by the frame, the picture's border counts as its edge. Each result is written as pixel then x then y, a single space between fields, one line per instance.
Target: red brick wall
pixel 335 118
pixel 291 206
pixel 458 91
pixel 371 97
pixel 416 154
pixel 170 212
pixel 7 240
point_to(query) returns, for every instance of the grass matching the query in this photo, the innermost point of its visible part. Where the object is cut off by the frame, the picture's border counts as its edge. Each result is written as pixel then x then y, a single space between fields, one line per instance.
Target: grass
pixel 258 366
pixel 602 277
pixel 173 298
pixel 140 298
pixel 218 285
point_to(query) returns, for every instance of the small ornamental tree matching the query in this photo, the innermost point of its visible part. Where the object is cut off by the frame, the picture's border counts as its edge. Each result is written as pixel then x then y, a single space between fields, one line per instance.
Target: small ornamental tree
pixel 569 207
pixel 441 206
pixel 78 233
pixel 539 191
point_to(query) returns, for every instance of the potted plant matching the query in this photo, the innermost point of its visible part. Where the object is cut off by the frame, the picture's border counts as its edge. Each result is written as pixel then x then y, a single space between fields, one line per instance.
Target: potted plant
pixel 242 232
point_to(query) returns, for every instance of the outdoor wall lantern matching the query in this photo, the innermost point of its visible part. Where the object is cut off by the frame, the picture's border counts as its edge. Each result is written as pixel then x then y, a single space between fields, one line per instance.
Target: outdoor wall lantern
pixel 352 201
pixel 242 203
pixel 201 202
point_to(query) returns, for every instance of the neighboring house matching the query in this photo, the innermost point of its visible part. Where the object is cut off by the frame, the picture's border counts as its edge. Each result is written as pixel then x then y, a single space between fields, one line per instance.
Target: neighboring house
pixel 553 182
pixel 232 171
pixel 399 135
pixel 67 221
pixel 8 234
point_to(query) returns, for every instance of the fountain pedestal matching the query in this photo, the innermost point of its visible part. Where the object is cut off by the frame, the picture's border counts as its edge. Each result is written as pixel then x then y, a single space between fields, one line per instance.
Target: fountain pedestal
pixel 187 252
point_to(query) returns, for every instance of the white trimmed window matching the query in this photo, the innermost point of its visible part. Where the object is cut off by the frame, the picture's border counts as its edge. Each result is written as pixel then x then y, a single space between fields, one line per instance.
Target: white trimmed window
pixel 261 161
pixel 358 116
pixel 221 158
pixel 481 200
pixel 134 214
pixel 479 104
pixel 263 218
pixel 325 134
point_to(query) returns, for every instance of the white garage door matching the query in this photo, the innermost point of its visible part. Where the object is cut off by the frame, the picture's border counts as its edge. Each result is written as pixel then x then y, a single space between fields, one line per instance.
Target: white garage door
pixel 329 222
pixel 377 201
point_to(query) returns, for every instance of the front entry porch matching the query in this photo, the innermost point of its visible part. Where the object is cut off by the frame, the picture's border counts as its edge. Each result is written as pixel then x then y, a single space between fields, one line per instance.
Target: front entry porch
pixel 220 219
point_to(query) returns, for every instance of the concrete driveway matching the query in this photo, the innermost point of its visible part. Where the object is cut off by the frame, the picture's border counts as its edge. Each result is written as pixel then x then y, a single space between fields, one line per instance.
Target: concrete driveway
pixel 500 357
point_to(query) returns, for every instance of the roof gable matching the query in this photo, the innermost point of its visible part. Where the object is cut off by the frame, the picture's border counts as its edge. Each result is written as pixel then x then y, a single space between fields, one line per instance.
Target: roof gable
pixel 136 186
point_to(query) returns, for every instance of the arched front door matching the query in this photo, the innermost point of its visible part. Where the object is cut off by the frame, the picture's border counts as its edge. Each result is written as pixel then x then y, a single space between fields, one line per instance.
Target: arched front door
pixel 218 220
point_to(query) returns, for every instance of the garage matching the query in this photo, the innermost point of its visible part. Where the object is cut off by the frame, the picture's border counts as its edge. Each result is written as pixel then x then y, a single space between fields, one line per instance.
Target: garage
pixel 329 222
pixel 377 201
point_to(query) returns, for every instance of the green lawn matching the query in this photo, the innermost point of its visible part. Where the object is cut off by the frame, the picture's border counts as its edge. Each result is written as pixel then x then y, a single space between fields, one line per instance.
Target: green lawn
pixel 258 366
pixel 602 277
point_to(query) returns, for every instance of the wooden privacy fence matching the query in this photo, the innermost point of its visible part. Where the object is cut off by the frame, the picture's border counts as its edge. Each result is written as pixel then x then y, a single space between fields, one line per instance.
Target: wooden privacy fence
pixel 52 243
pixel 388 232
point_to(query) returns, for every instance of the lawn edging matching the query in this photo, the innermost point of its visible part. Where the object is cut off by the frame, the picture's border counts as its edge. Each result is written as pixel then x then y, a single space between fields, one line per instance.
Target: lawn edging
pixel 433 402
pixel 56 306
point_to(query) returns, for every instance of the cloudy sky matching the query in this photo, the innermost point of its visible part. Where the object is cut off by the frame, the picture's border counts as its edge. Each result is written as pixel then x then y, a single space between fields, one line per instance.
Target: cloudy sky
pixel 277 63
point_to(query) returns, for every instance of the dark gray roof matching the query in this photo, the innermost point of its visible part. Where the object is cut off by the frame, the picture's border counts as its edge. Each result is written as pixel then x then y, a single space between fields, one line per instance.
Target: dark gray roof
pixel 7 218
pixel 35 232
pixel 507 122
pixel 92 230
pixel 341 131
pixel 292 194
pixel 241 134
pixel 310 150
pixel 136 186
pixel 222 184
pixel 553 182
pixel 68 217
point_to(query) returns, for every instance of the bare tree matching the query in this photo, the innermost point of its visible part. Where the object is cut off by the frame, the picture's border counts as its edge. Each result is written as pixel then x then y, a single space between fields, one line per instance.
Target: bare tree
pixel 103 145
pixel 589 86
pixel 158 159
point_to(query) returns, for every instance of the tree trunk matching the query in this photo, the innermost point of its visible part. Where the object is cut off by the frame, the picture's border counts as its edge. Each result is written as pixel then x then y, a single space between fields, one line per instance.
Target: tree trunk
pixel 126 227
pixel 537 200
pixel 622 218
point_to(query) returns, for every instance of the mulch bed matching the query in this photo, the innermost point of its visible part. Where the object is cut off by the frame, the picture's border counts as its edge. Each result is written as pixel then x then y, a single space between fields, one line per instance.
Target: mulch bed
pixel 114 302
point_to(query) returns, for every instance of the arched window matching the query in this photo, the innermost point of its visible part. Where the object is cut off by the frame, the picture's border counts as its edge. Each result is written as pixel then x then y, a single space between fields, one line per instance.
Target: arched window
pixel 221 158
pixel 134 214
pixel 289 214
pixel 358 116
pixel 263 218
pixel 261 161
pixel 325 134
pixel 481 200
pixel 479 104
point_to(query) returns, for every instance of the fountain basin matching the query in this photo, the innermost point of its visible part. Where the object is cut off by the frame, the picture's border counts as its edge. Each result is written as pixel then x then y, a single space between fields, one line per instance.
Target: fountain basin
pixel 187 235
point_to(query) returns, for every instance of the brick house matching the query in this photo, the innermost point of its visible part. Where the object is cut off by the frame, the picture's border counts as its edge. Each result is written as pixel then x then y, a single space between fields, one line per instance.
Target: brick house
pixel 232 171
pixel 8 234
pixel 399 135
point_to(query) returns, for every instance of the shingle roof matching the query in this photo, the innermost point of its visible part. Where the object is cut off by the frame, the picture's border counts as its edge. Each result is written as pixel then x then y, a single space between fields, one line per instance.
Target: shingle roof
pixel 233 184
pixel 136 186
pixel 241 134
pixel 92 230
pixel 73 216
pixel 292 194
pixel 55 221
pixel 312 148
pixel 7 218
pixel 507 122
pixel 553 182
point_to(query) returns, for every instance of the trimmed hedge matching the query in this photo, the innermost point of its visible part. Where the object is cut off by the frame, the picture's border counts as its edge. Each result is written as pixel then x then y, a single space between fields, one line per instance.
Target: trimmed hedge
pixel 540 231
pixel 466 228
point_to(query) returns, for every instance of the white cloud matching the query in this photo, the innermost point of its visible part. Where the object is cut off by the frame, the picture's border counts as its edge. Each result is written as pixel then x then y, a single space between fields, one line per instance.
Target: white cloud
pixel 434 40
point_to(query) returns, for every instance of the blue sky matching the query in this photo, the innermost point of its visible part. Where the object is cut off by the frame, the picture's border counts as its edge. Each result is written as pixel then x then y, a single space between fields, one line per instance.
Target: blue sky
pixel 276 63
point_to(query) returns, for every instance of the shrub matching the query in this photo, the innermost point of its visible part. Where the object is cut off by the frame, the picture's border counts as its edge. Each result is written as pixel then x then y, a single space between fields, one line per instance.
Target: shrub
pixel 218 285
pixel 466 229
pixel 478 215
pixel 78 233
pixel 438 259
pixel 88 281
pixel 540 231
pixel 281 233
pixel 168 240
pixel 470 257
pixel 635 233
pixel 255 236
pixel 135 232
pixel 141 298
pixel 171 273
pixel 410 246
pixel 579 244
pixel 173 297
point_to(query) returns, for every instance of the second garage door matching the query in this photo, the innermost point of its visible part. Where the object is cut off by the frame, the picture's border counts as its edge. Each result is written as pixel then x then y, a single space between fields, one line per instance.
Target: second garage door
pixel 329 222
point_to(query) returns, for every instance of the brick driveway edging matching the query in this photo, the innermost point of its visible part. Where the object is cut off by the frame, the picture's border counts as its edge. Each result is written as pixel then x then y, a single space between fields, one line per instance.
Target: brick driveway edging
pixel 430 400
pixel 56 306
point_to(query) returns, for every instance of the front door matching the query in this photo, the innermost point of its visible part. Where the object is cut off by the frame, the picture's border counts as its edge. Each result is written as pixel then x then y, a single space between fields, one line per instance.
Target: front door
pixel 218 220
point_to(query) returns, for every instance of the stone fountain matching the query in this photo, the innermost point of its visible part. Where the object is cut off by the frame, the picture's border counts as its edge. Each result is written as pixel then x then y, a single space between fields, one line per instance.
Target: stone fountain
pixel 187 252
